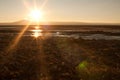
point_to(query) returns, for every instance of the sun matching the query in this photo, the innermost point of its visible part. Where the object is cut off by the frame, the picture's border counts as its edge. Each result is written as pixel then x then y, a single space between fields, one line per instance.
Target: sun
pixel 35 15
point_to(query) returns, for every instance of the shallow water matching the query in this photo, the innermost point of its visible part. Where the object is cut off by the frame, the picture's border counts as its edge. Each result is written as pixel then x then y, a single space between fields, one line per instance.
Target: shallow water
pixel 38 31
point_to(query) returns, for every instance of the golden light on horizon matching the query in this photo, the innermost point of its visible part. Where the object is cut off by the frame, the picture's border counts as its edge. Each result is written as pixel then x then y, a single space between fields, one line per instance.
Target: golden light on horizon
pixel 35 15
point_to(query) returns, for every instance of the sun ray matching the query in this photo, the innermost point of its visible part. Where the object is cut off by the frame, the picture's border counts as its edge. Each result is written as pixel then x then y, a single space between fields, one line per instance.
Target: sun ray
pixel 36 11
pixel 44 3
pixel 17 39
pixel 27 5
pixel 35 6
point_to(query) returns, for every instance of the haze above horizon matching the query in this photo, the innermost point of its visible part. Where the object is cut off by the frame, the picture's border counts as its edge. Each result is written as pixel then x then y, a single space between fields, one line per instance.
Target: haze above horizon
pixel 95 11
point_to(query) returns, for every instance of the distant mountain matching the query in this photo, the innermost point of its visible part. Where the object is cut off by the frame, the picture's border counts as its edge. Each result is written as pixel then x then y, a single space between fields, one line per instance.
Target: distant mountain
pixel 22 22
pixel 26 22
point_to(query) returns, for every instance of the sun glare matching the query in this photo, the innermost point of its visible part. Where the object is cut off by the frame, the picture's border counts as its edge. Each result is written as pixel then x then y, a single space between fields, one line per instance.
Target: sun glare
pixel 35 15
pixel 37 33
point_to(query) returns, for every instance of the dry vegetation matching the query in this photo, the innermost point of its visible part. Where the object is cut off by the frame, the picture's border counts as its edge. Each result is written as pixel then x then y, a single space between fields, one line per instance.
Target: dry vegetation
pixel 56 58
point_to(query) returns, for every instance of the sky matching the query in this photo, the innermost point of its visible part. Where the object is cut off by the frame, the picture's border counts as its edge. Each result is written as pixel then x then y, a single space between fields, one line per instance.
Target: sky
pixel 96 11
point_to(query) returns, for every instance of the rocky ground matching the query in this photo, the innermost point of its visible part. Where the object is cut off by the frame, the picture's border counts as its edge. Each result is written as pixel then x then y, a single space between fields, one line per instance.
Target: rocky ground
pixel 55 58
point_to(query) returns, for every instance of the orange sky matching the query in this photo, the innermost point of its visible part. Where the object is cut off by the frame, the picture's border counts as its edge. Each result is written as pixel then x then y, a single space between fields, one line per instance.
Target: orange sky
pixel 100 11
